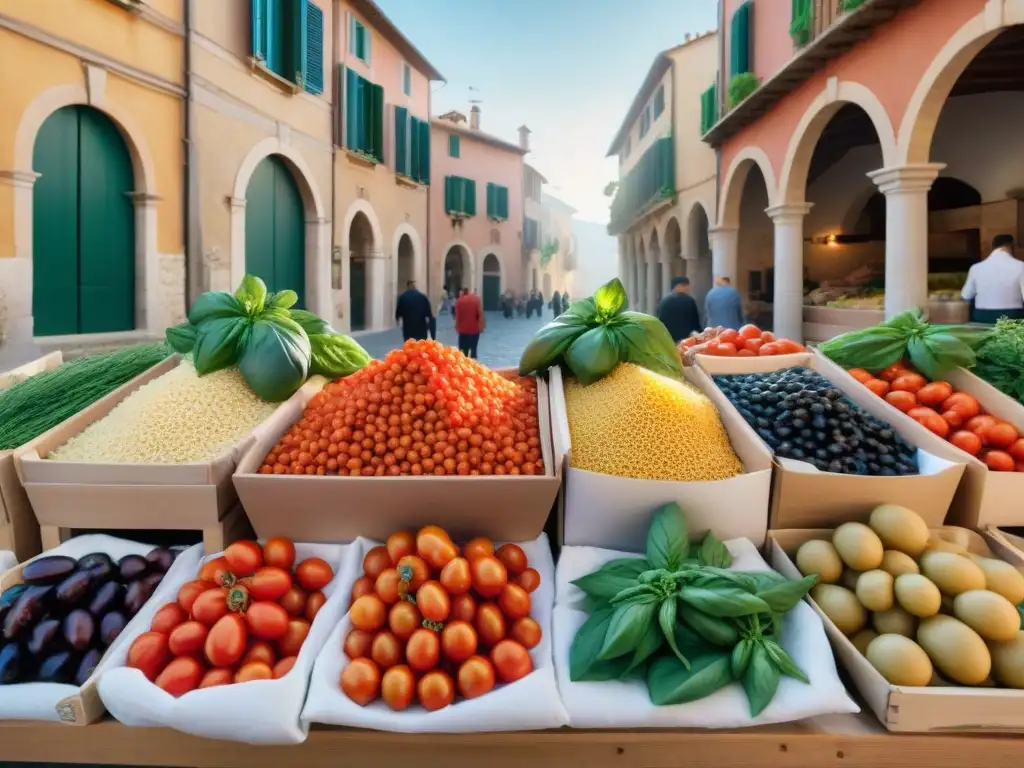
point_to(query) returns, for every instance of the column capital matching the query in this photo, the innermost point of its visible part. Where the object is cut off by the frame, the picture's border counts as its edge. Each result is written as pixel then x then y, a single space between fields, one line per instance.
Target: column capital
pixel 917 177
pixel 24 179
pixel 788 213
pixel 722 230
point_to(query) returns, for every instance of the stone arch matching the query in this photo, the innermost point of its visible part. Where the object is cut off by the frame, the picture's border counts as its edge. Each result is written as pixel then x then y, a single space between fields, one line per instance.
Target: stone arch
pixel 419 266
pixel 736 180
pixel 491 265
pixel 469 271
pixel 497 253
pixel 672 250
pixel 836 94
pixel 698 251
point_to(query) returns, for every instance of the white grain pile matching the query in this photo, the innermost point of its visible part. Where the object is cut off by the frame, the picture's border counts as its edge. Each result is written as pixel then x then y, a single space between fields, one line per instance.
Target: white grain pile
pixel 178 418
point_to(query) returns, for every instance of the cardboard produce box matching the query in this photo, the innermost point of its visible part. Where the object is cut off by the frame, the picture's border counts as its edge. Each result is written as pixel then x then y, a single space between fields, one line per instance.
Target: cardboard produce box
pixel 912 709
pixel 19 529
pixel 724 365
pixel 332 508
pixel 614 512
pixel 804 497
pixel 73 494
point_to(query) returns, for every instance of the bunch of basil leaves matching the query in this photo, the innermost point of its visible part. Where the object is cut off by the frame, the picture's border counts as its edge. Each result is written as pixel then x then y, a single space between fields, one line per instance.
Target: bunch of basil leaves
pixel 596 334
pixel 685 622
pixel 274 346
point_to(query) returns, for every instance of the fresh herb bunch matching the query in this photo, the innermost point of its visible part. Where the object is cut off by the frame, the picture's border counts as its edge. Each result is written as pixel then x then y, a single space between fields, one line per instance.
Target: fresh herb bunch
pixel 274 346
pixel 684 621
pixel 1001 358
pixel 596 334
pixel 933 349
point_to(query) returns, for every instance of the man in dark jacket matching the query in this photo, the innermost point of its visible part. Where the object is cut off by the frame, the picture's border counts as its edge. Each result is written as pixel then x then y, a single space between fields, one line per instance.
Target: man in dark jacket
pixel 413 311
pixel 678 310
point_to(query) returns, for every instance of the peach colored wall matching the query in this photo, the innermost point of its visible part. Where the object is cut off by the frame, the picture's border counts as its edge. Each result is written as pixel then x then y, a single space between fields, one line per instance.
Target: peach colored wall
pixel 660 126
pixel 483 163
pixel 890 63
pixel 770 40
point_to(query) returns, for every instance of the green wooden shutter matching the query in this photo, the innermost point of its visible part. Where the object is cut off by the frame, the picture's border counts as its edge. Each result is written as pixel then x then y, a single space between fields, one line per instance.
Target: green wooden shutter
pixel 314 81
pixel 739 42
pixel 470 197
pixel 401 141
pixel 258 29
pixel 353 110
pixel 453 145
pixel 297 43
pixel 414 148
pixel 504 203
pixel 492 207
pixel 424 131
pixel 449 196
pixel 376 136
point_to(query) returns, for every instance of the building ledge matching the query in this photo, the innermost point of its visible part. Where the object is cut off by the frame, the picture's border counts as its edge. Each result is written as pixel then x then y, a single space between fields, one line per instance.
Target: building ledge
pixel 651 209
pixel 408 182
pixel 844 34
pixel 263 72
pixel 358 158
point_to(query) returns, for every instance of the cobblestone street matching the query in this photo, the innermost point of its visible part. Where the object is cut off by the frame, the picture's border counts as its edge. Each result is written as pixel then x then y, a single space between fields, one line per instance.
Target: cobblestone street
pixel 501 344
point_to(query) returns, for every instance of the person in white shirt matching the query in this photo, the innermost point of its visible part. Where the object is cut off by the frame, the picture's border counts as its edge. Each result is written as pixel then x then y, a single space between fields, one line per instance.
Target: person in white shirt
pixel 996 284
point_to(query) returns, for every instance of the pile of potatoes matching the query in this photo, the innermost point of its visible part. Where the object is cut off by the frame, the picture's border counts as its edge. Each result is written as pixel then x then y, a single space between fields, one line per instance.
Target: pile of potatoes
pixel 924 611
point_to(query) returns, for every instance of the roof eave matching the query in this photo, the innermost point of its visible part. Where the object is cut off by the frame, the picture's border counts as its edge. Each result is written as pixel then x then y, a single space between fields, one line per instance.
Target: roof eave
pixel 379 20
pixel 661 64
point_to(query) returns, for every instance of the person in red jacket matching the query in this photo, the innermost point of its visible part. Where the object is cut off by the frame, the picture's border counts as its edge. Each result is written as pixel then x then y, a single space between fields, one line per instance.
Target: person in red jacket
pixel 469 322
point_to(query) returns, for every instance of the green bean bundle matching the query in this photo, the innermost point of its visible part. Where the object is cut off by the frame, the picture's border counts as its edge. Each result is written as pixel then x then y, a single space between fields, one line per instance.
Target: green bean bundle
pixel 43 401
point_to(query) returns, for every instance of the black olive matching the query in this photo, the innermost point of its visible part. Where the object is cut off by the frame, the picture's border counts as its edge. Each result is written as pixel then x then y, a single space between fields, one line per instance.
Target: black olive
pixel 807 434
pixel 796 453
pixel 819 422
pixel 799 423
pixel 783 432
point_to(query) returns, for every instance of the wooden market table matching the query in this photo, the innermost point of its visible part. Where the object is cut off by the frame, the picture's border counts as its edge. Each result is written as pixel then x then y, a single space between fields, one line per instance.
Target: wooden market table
pixel 845 741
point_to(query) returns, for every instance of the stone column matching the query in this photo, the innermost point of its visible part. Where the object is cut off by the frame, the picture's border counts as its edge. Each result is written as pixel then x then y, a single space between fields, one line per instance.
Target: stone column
pixel 376 289
pixel 789 268
pixel 149 301
pixel 16 341
pixel 666 274
pixel 906 233
pixel 623 272
pixel 653 285
pixel 724 252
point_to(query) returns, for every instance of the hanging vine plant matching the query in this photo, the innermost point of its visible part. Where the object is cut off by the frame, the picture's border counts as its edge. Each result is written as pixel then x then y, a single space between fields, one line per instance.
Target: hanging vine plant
pixel 548 252
pixel 800 28
pixel 741 87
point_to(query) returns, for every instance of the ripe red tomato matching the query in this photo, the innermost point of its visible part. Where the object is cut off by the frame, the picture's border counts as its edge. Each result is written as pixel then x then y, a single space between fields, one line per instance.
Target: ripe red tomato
pixel 458 641
pixel 279 552
pixel 476 677
pixel 526 631
pixel 210 606
pixel 478 547
pixel 420 570
pixel 244 557
pixel 255 670
pixel 358 642
pixel 423 650
pixel 313 605
pixel 215 570
pixel 435 547
pixel 269 583
pixel 187 638
pixel 750 331
pixel 360 681
pixel 435 690
pixel 314 574
pixel 376 561
pixel 964 404
pixel 490 624
pixel 168 617
pixel 489 576
pixel 386 650
pixel 181 676
pixel 455 576
pixel 903 401
pixel 149 653
pixel 999 461
pixel 529 579
pixel 934 394
pixel 463 608
pixel 511 660
pixel 404 619
pixel 217 676
pixel 283 667
pixel 1001 435
pixel 225 643
pixel 768 349
pixel 1016 450
pixel 294 600
pixel 259 650
pixel 400 545
pixel 386 586
pixel 266 620
pixel 512 557
pixel 294 637
pixel 967 441
pixel 398 687
pixel 433 601
pixel 364 585
pixel 980 424
pixel 514 601
pixel 368 613
pixel 893 372
pixel 190 591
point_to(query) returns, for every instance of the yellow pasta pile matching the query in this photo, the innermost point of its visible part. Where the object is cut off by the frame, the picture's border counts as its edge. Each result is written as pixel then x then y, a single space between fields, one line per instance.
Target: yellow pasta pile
pixel 177 418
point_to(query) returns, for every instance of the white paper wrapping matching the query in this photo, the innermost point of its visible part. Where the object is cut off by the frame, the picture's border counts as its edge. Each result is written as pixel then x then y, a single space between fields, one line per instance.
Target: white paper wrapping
pixel 257 712
pixel 528 704
pixel 7 561
pixel 626 704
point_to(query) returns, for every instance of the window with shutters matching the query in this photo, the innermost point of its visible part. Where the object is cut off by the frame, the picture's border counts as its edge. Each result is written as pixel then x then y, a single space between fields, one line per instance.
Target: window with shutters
pixel 453 145
pixel 739 40
pixel 459 197
pixel 708 109
pixel 364 116
pixel 406 79
pixel 412 146
pixel 659 101
pixel 497 202
pixel 359 38
pixel 287 38
pixel 531 234
pixel 645 121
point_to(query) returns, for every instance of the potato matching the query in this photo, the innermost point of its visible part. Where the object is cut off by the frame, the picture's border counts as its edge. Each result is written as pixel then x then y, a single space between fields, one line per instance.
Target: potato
pixel 990 615
pixel 841 606
pixel 899 528
pixel 917 595
pixel 1001 578
pixel 952 573
pixel 820 558
pixel 863 639
pixel 956 649
pixel 858 546
pixel 895 621
pixel 875 590
pixel 897 563
pixel 938 544
pixel 1008 661
pixel 849 579
pixel 900 660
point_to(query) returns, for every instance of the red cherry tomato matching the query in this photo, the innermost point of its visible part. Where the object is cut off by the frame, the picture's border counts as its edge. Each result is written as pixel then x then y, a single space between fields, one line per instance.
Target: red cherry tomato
pixel 187 638
pixel 168 617
pixel 244 557
pixel 190 591
pixel 255 670
pixel 149 653
pixel 279 552
pixel 266 620
pixel 511 660
pixel 225 643
pixel 314 574
pixel 181 676
pixel 269 583
pixel 210 606
pixel 360 681
pixel 294 637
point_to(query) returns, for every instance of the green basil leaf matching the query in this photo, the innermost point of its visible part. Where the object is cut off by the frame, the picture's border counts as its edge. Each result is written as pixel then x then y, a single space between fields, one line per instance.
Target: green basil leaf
pixel 252 292
pixel 723 603
pixel 972 336
pixel 783 660
pixel 581 312
pixel 182 338
pixel 275 358
pixel 612 578
pixel 689 642
pixel 669 682
pixel 548 346
pixel 285 299
pixel 311 323
pixel 783 597
pixel 649 645
pixel 216 344
pixel 584 664
pixel 761 680
pixel 715 630
pixel 642 593
pixel 740 658
pixel 628 625
pixel 645 341
pixel 592 355
pixel 713 552
pixel 610 298
pixel 667 539
pixel 762 580
pixel 214 304
pixel 667 621
pixel 334 355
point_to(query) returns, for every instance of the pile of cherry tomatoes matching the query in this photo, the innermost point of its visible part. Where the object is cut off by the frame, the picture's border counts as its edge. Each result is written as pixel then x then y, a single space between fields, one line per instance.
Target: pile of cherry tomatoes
pixel 748 341
pixel 245 618
pixel 429 619
pixel 955 416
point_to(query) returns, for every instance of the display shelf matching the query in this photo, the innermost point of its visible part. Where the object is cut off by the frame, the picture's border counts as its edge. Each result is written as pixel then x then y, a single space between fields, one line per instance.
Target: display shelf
pixel 842 741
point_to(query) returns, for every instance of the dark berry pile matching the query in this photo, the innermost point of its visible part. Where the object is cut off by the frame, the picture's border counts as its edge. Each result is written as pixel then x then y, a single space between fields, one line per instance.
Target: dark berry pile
pixel 801 415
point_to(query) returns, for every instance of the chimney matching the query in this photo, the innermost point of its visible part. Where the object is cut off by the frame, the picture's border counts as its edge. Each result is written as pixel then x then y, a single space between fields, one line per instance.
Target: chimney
pixel 524 137
pixel 474 118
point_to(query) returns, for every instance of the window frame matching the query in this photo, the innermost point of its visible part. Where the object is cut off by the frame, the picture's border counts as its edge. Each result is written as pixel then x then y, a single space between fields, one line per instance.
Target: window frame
pixel 406 79
pixel 358 33
pixel 659 101
pixel 454 142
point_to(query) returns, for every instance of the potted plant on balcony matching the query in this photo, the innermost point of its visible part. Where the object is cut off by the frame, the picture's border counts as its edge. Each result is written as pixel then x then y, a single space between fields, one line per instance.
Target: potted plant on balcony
pixel 846 6
pixel 741 87
pixel 803 21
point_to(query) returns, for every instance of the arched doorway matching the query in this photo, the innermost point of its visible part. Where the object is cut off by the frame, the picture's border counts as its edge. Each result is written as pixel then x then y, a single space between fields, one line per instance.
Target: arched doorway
pixel 457 270
pixel 755 261
pixel 360 246
pixel 698 255
pixel 406 262
pixel 275 238
pixel 492 283
pixel 675 265
pixel 83 226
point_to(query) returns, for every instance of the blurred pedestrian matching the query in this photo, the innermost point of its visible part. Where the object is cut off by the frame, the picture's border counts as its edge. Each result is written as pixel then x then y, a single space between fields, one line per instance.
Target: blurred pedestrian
pixel 470 322
pixel 723 305
pixel 678 310
pixel 555 304
pixel 414 313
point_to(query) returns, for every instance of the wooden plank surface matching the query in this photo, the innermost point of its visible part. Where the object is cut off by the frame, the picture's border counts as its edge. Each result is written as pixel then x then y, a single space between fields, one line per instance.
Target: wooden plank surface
pixel 843 742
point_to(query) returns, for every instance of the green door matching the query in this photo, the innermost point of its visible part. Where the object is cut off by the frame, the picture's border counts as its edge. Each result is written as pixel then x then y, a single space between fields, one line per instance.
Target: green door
pixel 275 241
pixel 492 293
pixel 83 226
pixel 357 294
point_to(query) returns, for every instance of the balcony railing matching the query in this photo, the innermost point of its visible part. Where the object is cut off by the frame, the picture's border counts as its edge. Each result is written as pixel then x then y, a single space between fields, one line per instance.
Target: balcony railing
pixel 651 181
